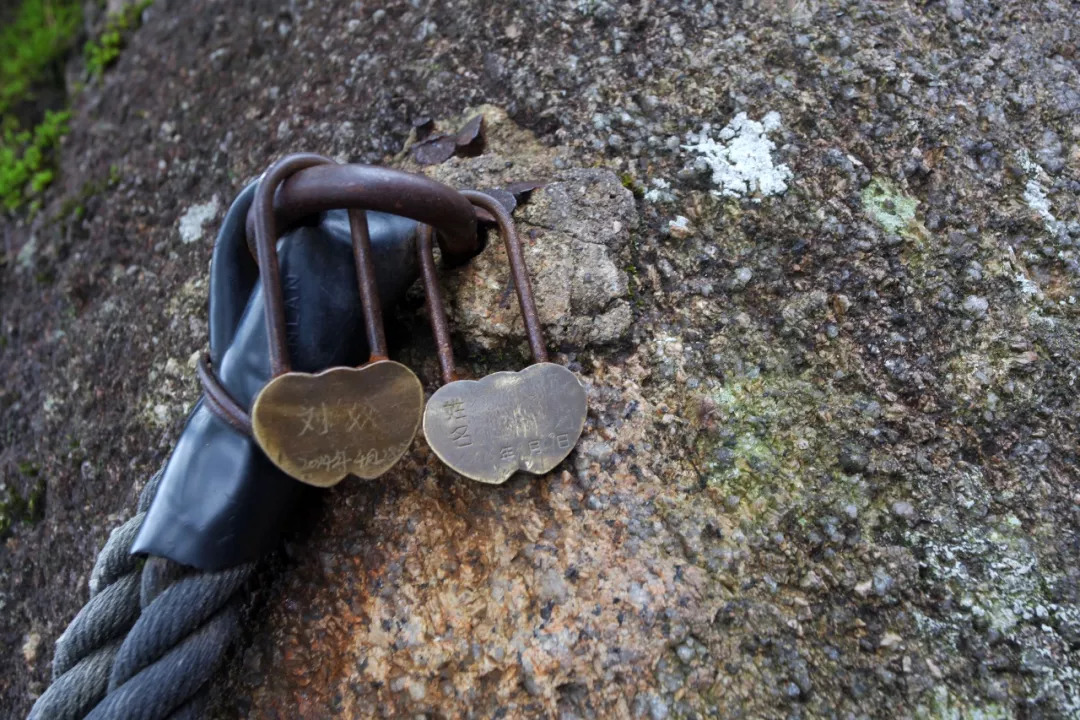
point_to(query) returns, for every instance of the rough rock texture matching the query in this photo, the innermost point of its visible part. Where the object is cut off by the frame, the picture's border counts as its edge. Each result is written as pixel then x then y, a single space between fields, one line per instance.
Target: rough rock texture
pixel 576 235
pixel 829 467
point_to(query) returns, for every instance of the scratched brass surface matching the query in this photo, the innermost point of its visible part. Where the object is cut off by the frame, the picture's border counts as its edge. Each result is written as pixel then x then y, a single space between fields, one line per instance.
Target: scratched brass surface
pixel 343 421
pixel 489 429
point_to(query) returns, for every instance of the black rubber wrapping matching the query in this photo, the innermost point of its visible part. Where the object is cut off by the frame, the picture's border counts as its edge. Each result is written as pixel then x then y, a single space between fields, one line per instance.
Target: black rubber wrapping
pixel 221 502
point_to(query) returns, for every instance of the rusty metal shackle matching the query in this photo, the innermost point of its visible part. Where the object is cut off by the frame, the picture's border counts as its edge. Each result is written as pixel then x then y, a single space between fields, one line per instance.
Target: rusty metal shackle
pixel 527 420
pixel 263 225
pixel 518 271
pixel 304 184
pixel 260 224
pixel 319 187
pixel 266 235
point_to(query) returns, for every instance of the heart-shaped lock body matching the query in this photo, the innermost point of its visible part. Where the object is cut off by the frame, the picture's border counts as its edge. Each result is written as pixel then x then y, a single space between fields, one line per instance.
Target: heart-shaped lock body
pixel 342 421
pixel 320 428
pixel 488 429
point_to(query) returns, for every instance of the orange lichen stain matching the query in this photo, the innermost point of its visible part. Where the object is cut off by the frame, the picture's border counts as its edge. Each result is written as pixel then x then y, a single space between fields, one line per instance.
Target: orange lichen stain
pixel 455 598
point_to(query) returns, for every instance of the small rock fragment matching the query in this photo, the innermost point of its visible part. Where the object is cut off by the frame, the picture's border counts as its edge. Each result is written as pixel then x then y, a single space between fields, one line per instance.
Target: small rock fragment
pixel 31 648
pixel 552 587
pixel 470 138
pixel 976 306
pixel 434 150
pixel 853 460
pixel 423 127
pixel 743 275
pixel 890 640
pixel 195 218
pixel 903 509
pixel 680 227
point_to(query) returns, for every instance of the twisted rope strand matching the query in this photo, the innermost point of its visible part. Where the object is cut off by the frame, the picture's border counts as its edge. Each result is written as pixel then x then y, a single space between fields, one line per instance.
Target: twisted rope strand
pixel 172 680
pixel 180 610
pixel 82 662
pixel 79 689
pixel 149 639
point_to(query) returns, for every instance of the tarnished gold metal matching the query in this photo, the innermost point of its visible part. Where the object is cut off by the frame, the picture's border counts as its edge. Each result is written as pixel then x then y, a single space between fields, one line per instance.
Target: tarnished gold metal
pixel 344 421
pixel 489 429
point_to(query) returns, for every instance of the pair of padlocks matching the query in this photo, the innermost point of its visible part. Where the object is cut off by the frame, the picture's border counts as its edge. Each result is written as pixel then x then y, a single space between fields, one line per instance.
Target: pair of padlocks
pixel 320 428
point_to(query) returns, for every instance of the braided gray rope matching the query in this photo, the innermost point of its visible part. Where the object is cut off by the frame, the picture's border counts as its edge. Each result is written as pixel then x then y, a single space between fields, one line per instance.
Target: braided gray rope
pixel 148 640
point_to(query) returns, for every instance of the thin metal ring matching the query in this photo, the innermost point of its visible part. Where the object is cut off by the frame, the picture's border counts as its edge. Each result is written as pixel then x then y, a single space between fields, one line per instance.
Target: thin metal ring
pixel 315 189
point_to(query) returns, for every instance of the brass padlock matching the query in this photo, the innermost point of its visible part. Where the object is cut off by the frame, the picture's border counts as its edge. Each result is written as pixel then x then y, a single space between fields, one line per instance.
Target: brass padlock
pixel 320 428
pixel 488 429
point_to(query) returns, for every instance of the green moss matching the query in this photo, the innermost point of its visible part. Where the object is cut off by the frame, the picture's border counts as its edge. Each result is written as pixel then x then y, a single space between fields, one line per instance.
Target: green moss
pixel 35 41
pixel 103 51
pixel 26 158
pixel 16 508
pixel 631 184
pixel 765 440
pixel 890 208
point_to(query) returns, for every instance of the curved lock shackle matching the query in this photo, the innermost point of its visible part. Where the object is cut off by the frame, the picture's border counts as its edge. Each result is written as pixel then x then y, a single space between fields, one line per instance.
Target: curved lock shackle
pixel 266 251
pixel 219 400
pixel 313 189
pixel 393 191
pixel 518 271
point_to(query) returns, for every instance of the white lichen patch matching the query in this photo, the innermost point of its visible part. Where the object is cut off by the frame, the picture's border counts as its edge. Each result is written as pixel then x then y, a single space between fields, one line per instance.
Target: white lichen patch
pixel 892 209
pixel 679 227
pixel 1000 583
pixel 741 160
pixel 659 191
pixel 1027 286
pixel 25 259
pixel 193 222
pixel 1036 197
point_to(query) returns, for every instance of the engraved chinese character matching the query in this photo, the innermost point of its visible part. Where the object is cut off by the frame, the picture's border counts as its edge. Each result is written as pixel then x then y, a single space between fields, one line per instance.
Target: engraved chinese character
pixel 315 421
pixel 362 459
pixel 460 435
pixel 508 453
pixel 534 447
pixel 361 416
pixel 515 423
pixel 563 441
pixel 454 409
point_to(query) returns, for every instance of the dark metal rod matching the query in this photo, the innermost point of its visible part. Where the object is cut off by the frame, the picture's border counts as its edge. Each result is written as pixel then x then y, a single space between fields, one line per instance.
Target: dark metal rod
pixel 436 310
pixel 518 270
pixel 369 289
pixel 219 401
pixel 266 252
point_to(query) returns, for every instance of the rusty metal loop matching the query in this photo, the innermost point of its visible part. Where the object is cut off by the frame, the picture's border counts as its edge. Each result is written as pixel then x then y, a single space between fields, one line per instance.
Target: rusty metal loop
pixel 369 289
pixel 518 271
pixel 434 301
pixel 266 236
pixel 280 198
pixel 266 251
pixel 317 188
pixel 219 401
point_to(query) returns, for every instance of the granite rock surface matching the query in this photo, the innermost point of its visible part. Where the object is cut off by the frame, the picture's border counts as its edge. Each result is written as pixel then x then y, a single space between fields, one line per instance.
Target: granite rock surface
pixel 815 261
